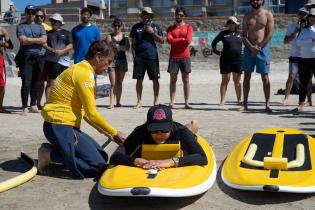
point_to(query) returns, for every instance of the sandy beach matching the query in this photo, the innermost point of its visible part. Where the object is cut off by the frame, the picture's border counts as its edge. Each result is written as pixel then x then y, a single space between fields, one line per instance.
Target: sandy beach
pixel 223 127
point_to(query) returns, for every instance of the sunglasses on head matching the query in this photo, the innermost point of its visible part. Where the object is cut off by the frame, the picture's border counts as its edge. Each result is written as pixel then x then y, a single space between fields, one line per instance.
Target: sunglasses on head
pixel 40 16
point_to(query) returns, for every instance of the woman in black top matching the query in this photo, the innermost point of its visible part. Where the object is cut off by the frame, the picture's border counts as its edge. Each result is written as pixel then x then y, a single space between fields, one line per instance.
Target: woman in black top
pixel 160 129
pixel 230 57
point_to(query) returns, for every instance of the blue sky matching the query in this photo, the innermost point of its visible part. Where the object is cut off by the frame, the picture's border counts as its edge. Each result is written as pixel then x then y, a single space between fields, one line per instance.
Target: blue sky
pixel 20 4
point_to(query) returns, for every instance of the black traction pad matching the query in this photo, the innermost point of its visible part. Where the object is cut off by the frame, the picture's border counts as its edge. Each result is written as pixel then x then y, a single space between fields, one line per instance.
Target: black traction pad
pixel 265 143
pixel 289 150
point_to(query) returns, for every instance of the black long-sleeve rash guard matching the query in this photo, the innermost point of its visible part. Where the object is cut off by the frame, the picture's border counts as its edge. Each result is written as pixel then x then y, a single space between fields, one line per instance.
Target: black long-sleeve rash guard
pixel 193 153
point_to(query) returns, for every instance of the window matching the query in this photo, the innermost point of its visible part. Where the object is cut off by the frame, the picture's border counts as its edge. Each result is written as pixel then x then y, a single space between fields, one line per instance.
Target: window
pixel 119 3
pixel 222 2
pixel 190 2
pixel 158 3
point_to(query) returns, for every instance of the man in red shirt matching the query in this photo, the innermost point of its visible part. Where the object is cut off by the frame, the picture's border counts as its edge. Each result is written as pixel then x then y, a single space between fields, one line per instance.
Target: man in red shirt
pixel 179 37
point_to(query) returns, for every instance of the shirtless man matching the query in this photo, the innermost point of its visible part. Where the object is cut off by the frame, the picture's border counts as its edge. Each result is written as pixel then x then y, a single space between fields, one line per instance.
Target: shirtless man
pixel 5 43
pixel 257 32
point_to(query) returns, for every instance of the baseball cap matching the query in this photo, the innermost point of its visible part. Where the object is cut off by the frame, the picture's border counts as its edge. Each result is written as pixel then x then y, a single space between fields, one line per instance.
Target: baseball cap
pixel 303 9
pixel 234 20
pixel 159 118
pixel 30 7
pixel 147 10
pixel 57 17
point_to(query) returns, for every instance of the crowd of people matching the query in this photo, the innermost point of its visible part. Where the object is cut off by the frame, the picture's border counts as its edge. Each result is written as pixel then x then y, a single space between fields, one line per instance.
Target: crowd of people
pixel 44 56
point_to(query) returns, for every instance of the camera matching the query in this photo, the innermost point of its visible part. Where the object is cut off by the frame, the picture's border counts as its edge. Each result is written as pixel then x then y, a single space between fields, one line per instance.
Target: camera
pixel 302 21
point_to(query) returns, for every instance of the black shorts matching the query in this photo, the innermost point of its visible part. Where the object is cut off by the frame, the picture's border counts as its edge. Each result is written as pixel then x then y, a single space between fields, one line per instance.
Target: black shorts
pixel 227 66
pixel 176 64
pixel 53 69
pixel 142 65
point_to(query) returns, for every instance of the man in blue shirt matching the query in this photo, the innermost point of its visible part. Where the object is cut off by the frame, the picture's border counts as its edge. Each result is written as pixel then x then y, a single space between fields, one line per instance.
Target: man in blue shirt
pixel 84 35
pixel 144 37
pixel 32 36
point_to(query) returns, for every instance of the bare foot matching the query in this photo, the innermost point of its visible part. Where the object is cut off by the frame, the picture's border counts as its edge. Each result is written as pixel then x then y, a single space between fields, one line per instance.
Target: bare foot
pixel 4 111
pixel 24 112
pixel 309 103
pixel 138 106
pixel 268 109
pixel 118 105
pixel 44 157
pixel 221 104
pixel 110 107
pixel 285 102
pixel 187 106
pixel 243 109
pixel 34 109
pixel 299 108
pixel 193 126
pixel 240 103
pixel 171 105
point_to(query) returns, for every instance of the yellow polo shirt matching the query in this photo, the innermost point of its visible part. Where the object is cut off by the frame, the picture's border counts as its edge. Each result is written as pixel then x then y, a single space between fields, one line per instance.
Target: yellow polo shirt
pixel 72 91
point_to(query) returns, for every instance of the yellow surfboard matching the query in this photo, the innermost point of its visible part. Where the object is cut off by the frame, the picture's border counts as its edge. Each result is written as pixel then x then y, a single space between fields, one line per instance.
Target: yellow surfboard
pixel 172 182
pixel 275 159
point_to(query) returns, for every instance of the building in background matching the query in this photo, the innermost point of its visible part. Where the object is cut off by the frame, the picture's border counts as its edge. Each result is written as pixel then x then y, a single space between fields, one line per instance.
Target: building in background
pixel 292 6
pixel 165 8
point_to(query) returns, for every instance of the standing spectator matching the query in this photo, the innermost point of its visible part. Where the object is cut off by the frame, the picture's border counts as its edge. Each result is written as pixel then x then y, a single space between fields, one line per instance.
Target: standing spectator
pixel 119 68
pixel 5 43
pixel 179 37
pixel 258 26
pixel 84 35
pixel 144 36
pixel 72 99
pixel 293 30
pixel 306 42
pixel 230 57
pixel 32 36
pixel 40 17
pixel 11 16
pixel 59 43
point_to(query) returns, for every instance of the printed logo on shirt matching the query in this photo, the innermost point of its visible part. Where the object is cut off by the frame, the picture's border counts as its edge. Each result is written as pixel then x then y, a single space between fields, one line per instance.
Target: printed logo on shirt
pixel 89 84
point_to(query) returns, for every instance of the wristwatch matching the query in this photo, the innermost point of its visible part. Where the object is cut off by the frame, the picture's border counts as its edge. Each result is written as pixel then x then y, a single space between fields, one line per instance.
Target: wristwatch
pixel 176 161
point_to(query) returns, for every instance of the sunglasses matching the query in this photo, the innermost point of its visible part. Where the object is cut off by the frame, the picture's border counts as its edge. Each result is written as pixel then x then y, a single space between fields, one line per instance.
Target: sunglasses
pixel 116 26
pixel 180 15
pixel 30 12
pixel 302 13
pixel 40 16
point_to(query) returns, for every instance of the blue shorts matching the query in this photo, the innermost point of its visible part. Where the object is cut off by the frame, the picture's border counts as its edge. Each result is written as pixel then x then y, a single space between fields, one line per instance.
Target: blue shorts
pixel 261 61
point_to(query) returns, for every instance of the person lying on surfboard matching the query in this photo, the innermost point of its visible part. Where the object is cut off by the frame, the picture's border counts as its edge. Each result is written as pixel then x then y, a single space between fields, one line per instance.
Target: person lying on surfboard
pixel 160 129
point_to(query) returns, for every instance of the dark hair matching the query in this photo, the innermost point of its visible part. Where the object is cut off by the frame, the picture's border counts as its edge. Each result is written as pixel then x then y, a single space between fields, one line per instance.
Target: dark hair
pixel 38 9
pixel 180 9
pixel 85 9
pixel 117 21
pixel 101 47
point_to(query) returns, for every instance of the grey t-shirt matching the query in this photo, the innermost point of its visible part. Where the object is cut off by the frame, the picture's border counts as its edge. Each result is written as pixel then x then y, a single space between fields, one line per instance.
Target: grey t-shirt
pixel 58 40
pixel 32 31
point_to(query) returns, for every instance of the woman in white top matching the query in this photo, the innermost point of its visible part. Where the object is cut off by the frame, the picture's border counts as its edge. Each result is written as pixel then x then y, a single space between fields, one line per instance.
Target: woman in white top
pixel 306 42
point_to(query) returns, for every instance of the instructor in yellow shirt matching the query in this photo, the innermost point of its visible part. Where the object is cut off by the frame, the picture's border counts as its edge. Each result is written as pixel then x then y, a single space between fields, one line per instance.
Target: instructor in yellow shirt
pixel 71 99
